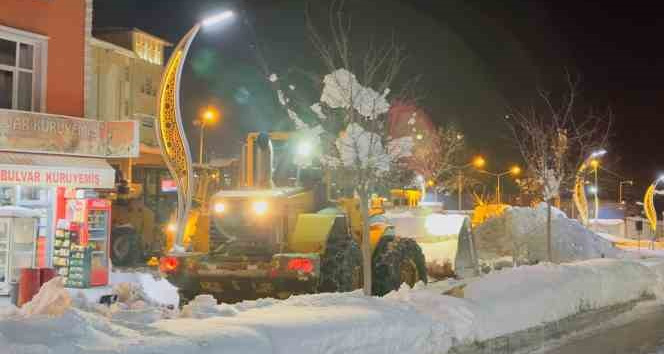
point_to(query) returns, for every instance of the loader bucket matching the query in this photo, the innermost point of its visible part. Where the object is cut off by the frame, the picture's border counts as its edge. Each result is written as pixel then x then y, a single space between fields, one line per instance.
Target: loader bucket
pixel 311 232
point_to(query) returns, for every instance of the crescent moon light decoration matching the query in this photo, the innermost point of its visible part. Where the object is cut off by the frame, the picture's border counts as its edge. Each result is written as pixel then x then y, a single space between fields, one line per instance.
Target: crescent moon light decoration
pixel 171 135
pixel 579 195
pixel 649 205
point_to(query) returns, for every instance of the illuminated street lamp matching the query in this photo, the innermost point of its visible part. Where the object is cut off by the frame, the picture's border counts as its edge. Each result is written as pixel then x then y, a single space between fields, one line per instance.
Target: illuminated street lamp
pixel 594 163
pixel 514 171
pixel 170 130
pixel 477 162
pixel 208 118
pixel 593 190
pixel 579 191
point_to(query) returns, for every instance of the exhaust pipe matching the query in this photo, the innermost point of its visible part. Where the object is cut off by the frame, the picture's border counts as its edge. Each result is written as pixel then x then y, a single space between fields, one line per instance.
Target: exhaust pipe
pixel 264 161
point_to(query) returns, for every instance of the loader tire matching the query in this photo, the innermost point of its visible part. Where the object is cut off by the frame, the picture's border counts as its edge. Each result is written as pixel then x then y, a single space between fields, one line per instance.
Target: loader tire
pixel 125 248
pixel 396 261
pixel 341 265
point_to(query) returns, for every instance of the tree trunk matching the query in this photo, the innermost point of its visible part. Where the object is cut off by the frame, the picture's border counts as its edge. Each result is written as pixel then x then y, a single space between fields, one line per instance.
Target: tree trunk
pixel 366 243
pixel 549 249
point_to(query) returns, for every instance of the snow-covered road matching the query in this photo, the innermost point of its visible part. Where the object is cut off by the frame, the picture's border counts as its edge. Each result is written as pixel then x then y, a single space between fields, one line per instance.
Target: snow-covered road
pixel 645 335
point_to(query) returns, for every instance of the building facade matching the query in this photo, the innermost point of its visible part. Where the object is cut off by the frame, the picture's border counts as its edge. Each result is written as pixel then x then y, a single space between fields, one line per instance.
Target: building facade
pixel 126 71
pixel 47 146
pixel 43 46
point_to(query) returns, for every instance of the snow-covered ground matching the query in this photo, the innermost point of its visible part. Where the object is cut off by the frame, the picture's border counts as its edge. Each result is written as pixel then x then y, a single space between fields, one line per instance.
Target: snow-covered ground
pixel 419 320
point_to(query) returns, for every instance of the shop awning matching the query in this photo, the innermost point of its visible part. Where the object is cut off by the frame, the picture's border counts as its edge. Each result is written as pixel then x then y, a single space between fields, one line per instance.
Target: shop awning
pixel 54 170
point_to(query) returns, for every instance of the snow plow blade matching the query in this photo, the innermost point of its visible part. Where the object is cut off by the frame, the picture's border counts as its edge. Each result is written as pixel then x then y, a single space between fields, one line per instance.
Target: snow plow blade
pixel 311 232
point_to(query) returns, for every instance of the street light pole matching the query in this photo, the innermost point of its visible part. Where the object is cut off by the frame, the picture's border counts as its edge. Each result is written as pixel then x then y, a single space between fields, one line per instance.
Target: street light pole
pixel 620 189
pixel 478 162
pixel 200 144
pixel 170 130
pixel 596 192
pixel 579 185
pixel 515 170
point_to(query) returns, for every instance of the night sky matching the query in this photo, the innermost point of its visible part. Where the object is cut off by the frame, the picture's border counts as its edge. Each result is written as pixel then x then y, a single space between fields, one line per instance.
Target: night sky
pixel 476 58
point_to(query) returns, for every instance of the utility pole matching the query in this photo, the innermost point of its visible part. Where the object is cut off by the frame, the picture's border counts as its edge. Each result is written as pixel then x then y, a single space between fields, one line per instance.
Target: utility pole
pixel 209 116
pixel 200 144
pixel 596 193
pixel 620 189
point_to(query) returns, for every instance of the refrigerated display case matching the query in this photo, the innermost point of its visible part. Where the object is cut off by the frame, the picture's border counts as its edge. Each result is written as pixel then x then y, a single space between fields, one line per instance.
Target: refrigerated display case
pixel 18 242
pixel 42 200
pixel 93 216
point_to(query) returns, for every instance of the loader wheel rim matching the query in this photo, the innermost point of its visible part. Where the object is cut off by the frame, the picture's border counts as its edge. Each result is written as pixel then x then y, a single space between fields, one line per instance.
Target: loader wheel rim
pixel 121 247
pixel 408 272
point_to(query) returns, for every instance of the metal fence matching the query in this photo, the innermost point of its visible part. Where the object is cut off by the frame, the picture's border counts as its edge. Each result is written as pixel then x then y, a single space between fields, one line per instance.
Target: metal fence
pixel 639 228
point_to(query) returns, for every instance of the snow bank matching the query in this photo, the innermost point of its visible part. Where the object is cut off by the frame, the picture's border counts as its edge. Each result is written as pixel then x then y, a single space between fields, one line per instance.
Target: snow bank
pixel 614 227
pixel 419 320
pixel 530 296
pixel 522 232
pixel 52 300
pixel 155 289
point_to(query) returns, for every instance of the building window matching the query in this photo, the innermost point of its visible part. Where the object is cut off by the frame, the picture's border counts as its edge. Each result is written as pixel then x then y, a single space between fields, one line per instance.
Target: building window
pixel 21 69
pixel 148 49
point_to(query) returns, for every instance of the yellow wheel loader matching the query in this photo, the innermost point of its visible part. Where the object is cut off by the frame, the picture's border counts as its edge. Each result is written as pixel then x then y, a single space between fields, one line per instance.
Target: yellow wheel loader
pixel 282 238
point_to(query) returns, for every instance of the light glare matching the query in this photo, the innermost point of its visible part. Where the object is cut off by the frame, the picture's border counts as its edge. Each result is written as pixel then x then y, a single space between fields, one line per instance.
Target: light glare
pixel 260 207
pixel 219 208
pixel 304 148
pixel 215 19
pixel 598 153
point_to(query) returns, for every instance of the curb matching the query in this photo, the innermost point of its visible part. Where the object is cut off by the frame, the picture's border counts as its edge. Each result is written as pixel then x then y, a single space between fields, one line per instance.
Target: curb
pixel 533 338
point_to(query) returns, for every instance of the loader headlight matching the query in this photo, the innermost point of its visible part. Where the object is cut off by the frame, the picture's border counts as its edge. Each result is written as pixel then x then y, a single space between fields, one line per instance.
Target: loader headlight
pixel 304 149
pixel 260 207
pixel 171 227
pixel 219 208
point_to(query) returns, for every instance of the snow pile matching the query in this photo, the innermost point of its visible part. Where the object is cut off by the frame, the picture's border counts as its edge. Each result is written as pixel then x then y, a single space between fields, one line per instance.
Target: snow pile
pixel 614 227
pixel 154 289
pixel 517 299
pixel 418 320
pixel 521 233
pixel 204 306
pixel 532 295
pixel 52 300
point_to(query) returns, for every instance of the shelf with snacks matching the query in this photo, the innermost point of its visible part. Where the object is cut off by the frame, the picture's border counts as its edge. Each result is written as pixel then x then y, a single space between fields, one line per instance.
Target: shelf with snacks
pixel 79 266
pixel 61 250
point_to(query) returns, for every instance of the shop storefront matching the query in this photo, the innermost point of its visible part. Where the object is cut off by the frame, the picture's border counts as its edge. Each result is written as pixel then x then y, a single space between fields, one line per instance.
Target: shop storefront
pixel 39 182
pixel 45 159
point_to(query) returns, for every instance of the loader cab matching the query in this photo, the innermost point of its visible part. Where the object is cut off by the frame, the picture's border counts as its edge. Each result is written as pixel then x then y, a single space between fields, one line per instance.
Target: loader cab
pixel 266 216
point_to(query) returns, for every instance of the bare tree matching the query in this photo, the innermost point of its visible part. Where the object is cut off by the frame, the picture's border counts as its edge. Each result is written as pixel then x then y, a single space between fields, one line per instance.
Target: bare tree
pixel 437 157
pixel 554 137
pixel 351 117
